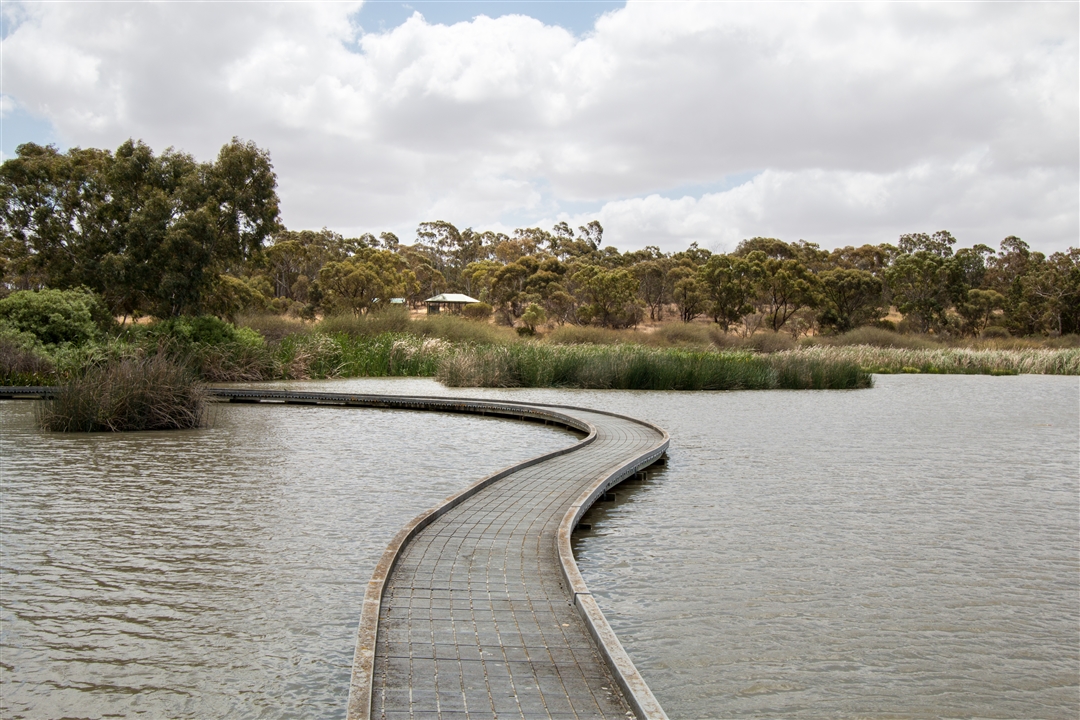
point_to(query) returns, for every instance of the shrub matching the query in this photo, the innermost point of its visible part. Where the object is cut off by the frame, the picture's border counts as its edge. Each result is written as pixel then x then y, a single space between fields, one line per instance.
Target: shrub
pixel 391 319
pixel 995 332
pixel 585 335
pixel 879 337
pixel 477 311
pixel 1064 341
pixel 201 330
pixel 683 334
pixel 636 367
pixel 769 342
pixel 22 366
pixel 458 330
pixel 132 393
pixel 56 316
pixel 273 326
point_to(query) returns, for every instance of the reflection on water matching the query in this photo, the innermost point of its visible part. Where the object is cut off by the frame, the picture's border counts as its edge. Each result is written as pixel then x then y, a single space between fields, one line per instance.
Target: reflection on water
pixel 909 551
pixel 217 572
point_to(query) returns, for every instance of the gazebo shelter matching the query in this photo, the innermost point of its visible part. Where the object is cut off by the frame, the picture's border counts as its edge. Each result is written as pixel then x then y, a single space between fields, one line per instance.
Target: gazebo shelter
pixel 451 301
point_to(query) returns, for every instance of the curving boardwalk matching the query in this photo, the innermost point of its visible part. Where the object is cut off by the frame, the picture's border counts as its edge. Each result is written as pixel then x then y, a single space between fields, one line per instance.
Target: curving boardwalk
pixel 477 608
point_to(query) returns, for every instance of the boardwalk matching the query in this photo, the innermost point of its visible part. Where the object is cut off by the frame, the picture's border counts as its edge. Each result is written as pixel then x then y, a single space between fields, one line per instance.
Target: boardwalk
pixel 477 609
pixel 477 619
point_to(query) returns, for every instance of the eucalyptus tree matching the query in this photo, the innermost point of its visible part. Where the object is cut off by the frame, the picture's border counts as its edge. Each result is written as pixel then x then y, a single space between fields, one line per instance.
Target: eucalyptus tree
pixel 151 233
pixel 728 282
pixel 607 297
pixel 365 281
pixel 850 298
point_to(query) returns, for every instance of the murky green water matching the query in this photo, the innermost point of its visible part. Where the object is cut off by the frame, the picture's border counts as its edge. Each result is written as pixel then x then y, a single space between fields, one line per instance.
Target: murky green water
pixel 909 551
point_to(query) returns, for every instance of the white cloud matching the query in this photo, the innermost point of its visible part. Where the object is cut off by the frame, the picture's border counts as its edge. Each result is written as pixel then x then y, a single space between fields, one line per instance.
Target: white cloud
pixel 860 120
pixel 876 208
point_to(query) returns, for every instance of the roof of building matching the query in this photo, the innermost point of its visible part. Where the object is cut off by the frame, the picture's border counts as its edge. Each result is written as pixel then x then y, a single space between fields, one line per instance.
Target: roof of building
pixel 451 298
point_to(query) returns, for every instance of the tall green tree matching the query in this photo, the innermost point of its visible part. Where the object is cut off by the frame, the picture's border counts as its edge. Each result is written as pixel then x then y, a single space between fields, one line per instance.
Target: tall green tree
pixel 728 283
pixel 783 288
pixel 151 233
pixel 850 298
pixel 609 297
pixel 919 285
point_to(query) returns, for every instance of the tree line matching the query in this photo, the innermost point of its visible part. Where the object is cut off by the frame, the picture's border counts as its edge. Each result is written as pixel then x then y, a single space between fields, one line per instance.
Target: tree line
pixel 166 236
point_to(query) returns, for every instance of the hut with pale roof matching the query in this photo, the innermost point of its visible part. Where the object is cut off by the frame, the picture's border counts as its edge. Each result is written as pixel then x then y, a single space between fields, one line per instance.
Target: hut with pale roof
pixel 451 301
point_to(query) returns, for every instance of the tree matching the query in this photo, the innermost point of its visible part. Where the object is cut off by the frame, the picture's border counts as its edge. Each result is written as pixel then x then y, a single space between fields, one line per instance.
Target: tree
pixel 592 233
pixel 534 315
pixel 850 298
pixel 150 233
pixel 728 285
pixel 654 286
pixel 939 244
pixel 242 188
pixel 1054 284
pixel 920 288
pixel 369 279
pixel 609 297
pixel 783 288
pixel 977 308
pixel 294 260
pixel 687 291
pixel 769 247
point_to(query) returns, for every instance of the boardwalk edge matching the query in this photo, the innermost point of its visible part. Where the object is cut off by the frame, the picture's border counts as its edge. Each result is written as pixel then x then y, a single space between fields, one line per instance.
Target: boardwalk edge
pixel 635 689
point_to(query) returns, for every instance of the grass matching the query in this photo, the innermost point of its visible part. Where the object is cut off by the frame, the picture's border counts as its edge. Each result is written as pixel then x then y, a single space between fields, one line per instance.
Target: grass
pixel 970 361
pixel 640 368
pixel 463 352
pixel 451 328
pixel 132 393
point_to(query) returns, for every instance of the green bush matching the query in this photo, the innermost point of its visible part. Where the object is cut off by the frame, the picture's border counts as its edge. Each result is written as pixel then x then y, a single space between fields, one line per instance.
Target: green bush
pixel 200 330
pixel 55 317
pixel 769 342
pixel 477 311
pixel 459 330
pixel 273 326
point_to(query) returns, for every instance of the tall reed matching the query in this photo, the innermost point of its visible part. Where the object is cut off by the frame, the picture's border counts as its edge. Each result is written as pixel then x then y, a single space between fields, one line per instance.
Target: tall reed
pixel 341 354
pixel 635 367
pixel 1037 361
pixel 133 393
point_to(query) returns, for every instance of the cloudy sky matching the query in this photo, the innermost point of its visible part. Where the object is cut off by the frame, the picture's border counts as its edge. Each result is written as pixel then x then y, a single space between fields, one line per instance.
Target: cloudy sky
pixel 670 122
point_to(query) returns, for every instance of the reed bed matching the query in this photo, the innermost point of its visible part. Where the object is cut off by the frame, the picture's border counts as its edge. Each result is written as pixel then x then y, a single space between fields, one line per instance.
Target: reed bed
pixel 132 393
pixel 1035 361
pixel 342 354
pixel 629 367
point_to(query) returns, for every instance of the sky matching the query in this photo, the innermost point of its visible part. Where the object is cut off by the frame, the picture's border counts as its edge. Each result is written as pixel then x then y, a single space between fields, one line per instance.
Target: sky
pixel 669 122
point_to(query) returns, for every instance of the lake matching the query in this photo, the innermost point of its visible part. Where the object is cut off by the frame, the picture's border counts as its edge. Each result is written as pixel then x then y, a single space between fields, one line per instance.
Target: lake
pixel 908 551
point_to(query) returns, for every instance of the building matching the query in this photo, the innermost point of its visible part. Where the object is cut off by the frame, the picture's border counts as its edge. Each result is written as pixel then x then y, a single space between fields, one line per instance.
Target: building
pixel 451 301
